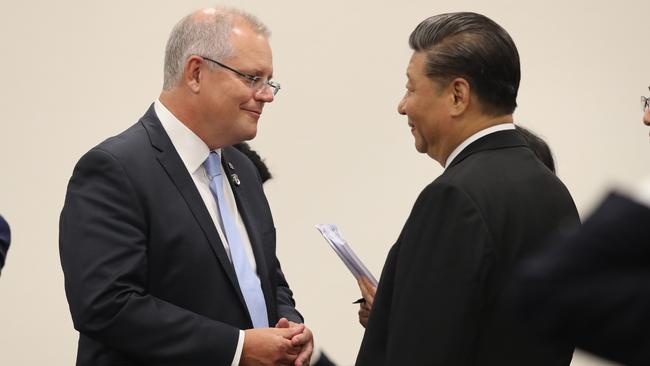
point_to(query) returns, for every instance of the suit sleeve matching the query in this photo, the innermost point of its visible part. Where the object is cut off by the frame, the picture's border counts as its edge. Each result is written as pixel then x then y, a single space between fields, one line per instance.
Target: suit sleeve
pixel 592 288
pixel 103 248
pixel 439 280
pixel 286 303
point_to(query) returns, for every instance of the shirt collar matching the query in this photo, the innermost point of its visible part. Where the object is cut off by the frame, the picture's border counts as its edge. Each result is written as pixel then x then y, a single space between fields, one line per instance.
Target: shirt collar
pixel 476 136
pixel 192 150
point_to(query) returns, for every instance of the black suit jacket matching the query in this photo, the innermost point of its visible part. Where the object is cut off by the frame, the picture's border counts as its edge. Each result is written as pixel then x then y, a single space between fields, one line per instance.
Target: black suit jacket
pixel 5 239
pixel 439 300
pixel 593 288
pixel 146 275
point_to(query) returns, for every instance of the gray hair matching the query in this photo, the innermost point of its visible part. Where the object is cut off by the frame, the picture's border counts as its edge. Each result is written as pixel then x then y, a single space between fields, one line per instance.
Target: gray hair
pixel 209 37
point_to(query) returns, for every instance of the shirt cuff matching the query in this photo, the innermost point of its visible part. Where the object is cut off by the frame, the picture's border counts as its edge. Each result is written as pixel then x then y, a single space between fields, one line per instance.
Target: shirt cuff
pixel 240 348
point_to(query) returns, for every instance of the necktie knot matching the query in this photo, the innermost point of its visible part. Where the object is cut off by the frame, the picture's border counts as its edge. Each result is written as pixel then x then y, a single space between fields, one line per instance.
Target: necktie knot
pixel 213 165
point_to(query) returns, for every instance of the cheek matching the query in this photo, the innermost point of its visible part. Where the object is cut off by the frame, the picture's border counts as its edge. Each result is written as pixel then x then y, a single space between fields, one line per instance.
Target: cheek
pixel 414 109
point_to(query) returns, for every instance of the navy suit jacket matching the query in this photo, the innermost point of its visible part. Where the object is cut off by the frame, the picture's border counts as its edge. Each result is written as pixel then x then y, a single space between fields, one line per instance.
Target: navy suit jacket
pixel 147 278
pixel 439 300
pixel 5 239
pixel 593 287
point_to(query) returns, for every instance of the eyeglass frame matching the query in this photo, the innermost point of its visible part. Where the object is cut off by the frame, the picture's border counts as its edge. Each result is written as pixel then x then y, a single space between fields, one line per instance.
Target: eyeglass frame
pixel 645 102
pixel 275 87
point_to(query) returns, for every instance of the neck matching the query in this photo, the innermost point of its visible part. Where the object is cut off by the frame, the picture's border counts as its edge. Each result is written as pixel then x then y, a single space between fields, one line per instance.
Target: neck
pixel 187 113
pixel 463 129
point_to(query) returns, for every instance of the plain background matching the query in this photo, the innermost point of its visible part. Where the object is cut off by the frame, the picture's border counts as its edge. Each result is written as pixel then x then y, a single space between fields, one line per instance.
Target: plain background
pixel 76 72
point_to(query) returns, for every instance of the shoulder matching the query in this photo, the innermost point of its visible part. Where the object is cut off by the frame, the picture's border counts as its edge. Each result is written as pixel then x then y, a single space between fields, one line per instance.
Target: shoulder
pixel 443 202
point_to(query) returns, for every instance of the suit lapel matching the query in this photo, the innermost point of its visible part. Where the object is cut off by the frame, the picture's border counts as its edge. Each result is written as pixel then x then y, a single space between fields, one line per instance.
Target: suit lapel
pixel 173 165
pixel 245 210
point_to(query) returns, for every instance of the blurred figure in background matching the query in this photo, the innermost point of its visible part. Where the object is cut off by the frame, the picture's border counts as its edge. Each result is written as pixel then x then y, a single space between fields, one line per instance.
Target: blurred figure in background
pixel 539 147
pixel 592 289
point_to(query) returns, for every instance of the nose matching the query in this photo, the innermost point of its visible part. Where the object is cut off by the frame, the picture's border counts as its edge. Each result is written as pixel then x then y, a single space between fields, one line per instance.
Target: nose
pixel 264 95
pixel 646 117
pixel 401 106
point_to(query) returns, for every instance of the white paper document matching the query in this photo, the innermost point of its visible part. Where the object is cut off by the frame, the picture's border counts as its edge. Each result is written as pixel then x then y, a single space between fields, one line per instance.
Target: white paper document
pixel 333 236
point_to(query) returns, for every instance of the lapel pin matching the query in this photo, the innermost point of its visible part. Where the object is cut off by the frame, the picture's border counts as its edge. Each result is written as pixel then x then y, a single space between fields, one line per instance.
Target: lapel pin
pixel 235 179
pixel 231 166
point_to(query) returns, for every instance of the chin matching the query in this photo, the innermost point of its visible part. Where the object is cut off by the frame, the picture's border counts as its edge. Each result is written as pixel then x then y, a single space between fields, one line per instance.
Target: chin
pixel 420 147
pixel 249 135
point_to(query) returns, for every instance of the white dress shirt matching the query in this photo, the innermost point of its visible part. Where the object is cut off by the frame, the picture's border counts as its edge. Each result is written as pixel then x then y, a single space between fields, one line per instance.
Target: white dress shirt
pixel 193 152
pixel 476 136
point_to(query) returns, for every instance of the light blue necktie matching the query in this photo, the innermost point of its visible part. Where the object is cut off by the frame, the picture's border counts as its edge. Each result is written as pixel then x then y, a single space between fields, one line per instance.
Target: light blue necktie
pixel 249 283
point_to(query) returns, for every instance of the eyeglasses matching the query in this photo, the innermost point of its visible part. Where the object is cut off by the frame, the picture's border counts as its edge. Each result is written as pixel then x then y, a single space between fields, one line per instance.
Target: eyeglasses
pixel 256 83
pixel 645 102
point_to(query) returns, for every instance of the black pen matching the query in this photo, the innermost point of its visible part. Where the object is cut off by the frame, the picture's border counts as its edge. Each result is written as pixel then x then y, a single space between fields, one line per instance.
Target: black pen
pixel 360 301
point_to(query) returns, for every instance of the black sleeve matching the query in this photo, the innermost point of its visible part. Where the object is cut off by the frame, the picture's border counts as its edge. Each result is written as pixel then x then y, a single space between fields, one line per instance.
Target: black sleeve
pixel 592 288
pixel 103 248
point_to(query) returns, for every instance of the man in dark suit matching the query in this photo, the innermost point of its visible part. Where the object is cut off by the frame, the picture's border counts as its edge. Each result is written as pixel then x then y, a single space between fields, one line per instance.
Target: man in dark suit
pixel 5 240
pixel 166 238
pixel 439 300
pixel 591 288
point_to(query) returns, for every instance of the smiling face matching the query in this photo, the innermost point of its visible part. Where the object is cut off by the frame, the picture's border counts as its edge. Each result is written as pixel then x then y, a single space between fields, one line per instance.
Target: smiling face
pixel 230 108
pixel 426 104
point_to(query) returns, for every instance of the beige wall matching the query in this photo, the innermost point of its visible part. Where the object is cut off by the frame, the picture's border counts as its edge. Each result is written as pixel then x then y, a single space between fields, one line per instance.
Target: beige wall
pixel 76 72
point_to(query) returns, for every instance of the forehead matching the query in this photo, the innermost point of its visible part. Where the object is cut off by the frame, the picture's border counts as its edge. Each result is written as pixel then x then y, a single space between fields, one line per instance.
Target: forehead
pixel 415 69
pixel 251 50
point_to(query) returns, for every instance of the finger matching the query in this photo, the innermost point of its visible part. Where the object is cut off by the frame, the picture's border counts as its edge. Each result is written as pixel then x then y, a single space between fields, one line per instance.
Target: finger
pixel 290 348
pixel 289 333
pixel 283 323
pixel 289 359
pixel 369 286
pixel 363 286
pixel 305 355
pixel 298 340
pixel 367 290
pixel 305 337
pixel 364 306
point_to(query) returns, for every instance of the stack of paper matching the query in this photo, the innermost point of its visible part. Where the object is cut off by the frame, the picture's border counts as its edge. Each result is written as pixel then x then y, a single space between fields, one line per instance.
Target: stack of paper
pixel 341 247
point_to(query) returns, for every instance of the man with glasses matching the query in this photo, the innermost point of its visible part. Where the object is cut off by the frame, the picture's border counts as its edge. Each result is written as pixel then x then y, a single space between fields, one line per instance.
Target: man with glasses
pixel 166 238
pixel 591 288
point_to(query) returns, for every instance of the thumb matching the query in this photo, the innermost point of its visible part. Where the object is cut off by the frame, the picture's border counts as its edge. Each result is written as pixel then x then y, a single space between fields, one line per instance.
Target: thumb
pixel 289 333
pixel 282 323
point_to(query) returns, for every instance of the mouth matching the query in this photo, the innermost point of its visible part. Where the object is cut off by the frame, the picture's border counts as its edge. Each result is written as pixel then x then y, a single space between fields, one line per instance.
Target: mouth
pixel 411 124
pixel 256 113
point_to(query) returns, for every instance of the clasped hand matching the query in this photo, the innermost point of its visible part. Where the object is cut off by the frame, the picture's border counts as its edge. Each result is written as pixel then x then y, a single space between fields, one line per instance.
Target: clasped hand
pixel 289 344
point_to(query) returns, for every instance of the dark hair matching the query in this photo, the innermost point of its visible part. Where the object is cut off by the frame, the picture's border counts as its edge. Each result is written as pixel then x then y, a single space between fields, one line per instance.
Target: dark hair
pixel 474 47
pixel 265 174
pixel 539 147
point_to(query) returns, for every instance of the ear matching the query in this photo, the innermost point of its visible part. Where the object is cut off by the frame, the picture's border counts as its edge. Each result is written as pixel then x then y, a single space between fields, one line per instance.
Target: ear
pixel 192 73
pixel 459 92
